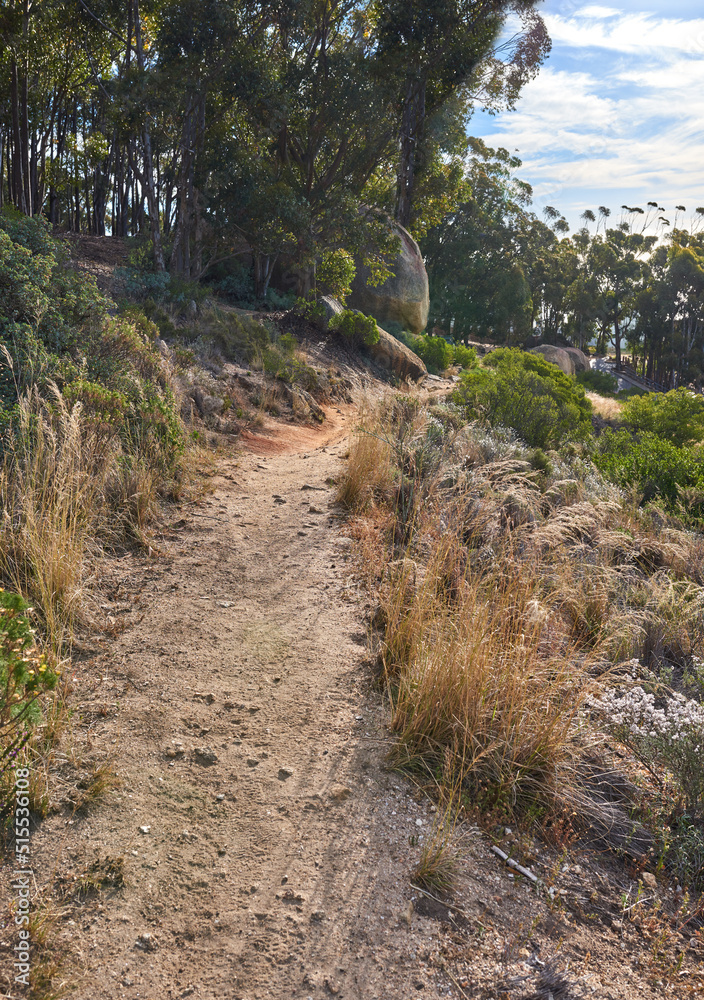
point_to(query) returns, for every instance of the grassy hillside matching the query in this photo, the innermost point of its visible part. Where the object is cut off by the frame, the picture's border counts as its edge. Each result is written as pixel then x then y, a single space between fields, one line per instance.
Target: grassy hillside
pixel 538 627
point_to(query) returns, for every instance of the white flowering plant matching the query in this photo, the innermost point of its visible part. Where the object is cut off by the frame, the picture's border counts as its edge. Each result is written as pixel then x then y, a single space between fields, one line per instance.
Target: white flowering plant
pixel 661 731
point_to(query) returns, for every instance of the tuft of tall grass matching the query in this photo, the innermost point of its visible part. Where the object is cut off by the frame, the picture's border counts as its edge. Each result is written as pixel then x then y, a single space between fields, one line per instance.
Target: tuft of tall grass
pixel 52 480
pixel 441 855
pixel 369 474
pixel 68 485
pixel 478 687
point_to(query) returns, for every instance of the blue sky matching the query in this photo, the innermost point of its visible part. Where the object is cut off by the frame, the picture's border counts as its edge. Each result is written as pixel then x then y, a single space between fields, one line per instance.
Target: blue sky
pixel 616 114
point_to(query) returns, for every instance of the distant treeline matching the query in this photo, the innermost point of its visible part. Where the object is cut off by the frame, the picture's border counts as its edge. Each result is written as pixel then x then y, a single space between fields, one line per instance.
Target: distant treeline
pixel 634 283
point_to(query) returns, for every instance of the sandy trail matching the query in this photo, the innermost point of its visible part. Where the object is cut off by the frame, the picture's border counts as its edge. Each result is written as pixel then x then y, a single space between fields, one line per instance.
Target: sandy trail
pixel 266 848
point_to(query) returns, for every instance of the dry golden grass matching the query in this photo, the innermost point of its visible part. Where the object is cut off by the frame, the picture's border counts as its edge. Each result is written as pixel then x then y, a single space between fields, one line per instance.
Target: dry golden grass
pixel 68 486
pixel 442 852
pixel 481 687
pixel 606 407
pixel 51 488
pixel 369 473
pixel 512 595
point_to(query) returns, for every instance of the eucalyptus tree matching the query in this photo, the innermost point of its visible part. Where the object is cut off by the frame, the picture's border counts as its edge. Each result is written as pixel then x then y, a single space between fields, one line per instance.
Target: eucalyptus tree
pixel 616 262
pixel 476 255
pixel 439 48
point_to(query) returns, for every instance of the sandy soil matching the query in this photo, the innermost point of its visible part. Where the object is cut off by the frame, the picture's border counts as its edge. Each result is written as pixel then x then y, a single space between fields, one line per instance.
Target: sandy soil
pixel 266 849
pixel 235 705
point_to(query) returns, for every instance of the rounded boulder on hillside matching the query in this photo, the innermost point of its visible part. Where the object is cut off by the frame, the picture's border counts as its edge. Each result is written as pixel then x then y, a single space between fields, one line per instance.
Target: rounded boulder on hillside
pixel 559 356
pixel 404 297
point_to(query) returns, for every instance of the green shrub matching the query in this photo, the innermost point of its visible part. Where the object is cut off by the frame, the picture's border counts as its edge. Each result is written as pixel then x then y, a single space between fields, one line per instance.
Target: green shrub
pixel 123 390
pixel 279 300
pixel 435 352
pixel 143 320
pixel 465 357
pixel 684 855
pixel 181 291
pixel 141 285
pixel 601 382
pixel 288 343
pixel 655 467
pixel 309 308
pixel 295 372
pixel 523 391
pixel 677 416
pixel 43 301
pixel 24 670
pixel 238 286
pixel 239 337
pixel 335 273
pixel 356 327
pixel 184 357
pixel 164 326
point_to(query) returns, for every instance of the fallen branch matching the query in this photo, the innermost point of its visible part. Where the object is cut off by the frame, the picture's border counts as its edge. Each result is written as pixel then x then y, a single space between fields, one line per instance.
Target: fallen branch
pixel 510 863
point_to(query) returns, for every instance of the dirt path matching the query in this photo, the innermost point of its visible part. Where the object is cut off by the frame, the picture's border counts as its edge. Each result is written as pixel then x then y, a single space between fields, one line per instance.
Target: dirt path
pixel 266 848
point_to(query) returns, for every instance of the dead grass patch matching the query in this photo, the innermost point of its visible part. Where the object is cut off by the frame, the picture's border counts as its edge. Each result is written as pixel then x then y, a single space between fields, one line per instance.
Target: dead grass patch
pixel 609 409
pixel 507 596
pixel 369 474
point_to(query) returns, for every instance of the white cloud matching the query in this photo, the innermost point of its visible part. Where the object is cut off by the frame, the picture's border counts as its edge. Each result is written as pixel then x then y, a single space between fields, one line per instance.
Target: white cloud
pixel 616 113
pixel 594 27
pixel 595 10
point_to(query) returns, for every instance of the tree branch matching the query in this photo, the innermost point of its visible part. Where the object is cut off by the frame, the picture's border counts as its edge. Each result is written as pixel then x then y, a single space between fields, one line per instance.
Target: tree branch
pixel 103 24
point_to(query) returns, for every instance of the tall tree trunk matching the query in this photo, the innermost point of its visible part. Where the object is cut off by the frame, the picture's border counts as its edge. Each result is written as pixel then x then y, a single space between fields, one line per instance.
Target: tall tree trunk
pixel 617 336
pixel 147 178
pixel 412 124
pixel 180 254
pixel 24 117
pixel 18 195
pixel 263 270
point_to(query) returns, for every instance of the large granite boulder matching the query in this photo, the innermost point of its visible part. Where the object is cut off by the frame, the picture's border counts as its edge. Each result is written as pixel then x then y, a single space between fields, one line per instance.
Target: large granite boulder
pixel 556 356
pixel 404 297
pixel 388 352
pixel 579 358
pixel 391 354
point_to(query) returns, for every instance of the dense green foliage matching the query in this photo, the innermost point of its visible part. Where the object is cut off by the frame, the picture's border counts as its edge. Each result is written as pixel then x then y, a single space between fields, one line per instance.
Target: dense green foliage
pixel 601 382
pixel 498 272
pixel 24 670
pixel 335 273
pixel 435 352
pixel 465 357
pixel 44 305
pixel 525 392
pixel 655 451
pixel 656 468
pixel 56 329
pixel 250 128
pixel 676 416
pixel 356 327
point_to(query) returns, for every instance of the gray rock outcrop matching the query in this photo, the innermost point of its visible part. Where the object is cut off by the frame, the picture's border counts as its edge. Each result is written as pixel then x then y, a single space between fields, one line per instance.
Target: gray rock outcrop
pixel 333 307
pixel 404 297
pixel 391 354
pixel 580 359
pixel 556 356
